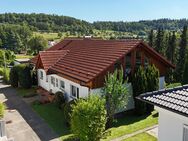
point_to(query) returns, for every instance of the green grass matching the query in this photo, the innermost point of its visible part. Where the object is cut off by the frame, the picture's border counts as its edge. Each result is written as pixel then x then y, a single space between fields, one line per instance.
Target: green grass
pixel 130 124
pixel 48 36
pixel 25 92
pixel 20 56
pixel 54 117
pixel 172 85
pixel 141 137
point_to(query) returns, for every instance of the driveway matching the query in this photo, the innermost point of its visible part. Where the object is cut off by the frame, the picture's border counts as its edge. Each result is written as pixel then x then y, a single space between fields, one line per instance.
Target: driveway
pixel 26 124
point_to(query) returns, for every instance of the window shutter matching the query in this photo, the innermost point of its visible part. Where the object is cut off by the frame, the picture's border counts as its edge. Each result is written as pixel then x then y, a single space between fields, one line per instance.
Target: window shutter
pixel 77 92
pixel 185 133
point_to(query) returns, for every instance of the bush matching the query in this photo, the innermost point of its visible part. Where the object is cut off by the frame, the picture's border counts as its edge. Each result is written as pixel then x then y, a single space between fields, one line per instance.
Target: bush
pixel 59 99
pixel 6 75
pixel 88 119
pixel 1 71
pixel 2 110
pixel 24 75
pixel 14 77
pixel 68 107
pixel 145 80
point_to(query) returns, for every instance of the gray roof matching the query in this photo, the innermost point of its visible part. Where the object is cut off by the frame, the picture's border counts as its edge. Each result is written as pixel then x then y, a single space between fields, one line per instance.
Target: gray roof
pixel 173 99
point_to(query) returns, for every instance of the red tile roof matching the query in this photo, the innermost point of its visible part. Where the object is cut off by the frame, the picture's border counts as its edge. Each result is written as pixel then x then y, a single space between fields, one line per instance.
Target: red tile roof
pixel 49 58
pixel 87 58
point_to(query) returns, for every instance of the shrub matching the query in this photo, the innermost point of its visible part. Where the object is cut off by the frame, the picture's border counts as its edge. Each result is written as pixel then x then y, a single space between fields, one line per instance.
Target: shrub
pixel 68 107
pixel 6 75
pixel 88 119
pixel 14 77
pixel 1 71
pixel 2 110
pixel 24 75
pixel 145 80
pixel 139 87
pixel 59 98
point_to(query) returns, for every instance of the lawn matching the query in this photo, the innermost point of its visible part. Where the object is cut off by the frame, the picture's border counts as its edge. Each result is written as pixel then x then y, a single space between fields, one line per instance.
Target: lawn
pixel 130 124
pixel 172 85
pixel 55 118
pixel 48 36
pixel 141 137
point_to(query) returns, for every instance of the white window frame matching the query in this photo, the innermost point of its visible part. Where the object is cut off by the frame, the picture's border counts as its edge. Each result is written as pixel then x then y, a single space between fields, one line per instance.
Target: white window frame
pixel 56 82
pixel 41 75
pixel 76 91
pixel 185 132
pixel 53 80
pixel 61 81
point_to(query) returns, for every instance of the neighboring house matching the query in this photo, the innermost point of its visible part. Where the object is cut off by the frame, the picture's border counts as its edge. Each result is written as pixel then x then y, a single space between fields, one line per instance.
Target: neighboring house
pixel 21 61
pixel 79 66
pixel 172 105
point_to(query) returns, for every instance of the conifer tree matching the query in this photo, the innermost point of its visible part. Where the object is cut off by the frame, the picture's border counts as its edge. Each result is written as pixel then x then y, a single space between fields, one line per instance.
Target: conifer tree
pixel 151 38
pixel 180 67
pixel 171 49
pixel 160 41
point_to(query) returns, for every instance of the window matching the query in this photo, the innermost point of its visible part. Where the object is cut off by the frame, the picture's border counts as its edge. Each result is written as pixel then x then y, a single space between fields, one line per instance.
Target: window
pixel 74 91
pixel 56 82
pixel 128 60
pixel 46 78
pixel 53 81
pixel 185 133
pixel 146 62
pixel 138 59
pixel 62 84
pixel 41 75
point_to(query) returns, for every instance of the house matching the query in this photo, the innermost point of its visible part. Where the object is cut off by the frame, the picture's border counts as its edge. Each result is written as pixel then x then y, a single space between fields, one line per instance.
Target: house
pixel 172 105
pixel 79 66
pixel 21 61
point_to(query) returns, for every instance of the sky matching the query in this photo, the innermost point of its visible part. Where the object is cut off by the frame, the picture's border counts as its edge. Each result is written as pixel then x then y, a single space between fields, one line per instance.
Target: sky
pixel 101 10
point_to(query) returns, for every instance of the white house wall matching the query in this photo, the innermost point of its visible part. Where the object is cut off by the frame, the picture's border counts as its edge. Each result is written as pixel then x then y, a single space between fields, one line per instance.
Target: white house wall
pixel 83 91
pixel 42 82
pixel 170 125
pixel 130 101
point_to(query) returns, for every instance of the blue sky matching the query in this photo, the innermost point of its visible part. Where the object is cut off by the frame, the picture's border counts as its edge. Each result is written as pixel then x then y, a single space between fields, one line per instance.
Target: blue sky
pixel 101 10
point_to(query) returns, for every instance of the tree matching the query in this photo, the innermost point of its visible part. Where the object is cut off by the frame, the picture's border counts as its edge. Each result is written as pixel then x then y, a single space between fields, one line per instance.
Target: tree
pixel 37 43
pixel 59 34
pixel 182 55
pixel 152 76
pixel 88 118
pixel 151 38
pixel 115 93
pixel 185 73
pixel 160 41
pixel 139 86
pixel 171 50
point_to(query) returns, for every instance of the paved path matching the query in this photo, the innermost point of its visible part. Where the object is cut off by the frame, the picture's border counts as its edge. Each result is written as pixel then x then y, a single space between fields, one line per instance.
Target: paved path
pixel 26 125
pixel 133 134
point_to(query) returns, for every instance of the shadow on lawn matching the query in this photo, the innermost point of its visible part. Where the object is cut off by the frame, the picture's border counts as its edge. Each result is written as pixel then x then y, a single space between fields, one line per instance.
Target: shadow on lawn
pixel 130 118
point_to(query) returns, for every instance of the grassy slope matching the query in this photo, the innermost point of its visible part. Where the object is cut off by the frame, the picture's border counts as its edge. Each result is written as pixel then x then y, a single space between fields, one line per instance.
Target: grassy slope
pixel 141 137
